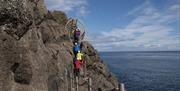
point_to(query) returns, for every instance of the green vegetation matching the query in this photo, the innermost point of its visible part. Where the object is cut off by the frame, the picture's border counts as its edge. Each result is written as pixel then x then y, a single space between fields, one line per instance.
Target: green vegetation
pixel 60 17
pixel 89 63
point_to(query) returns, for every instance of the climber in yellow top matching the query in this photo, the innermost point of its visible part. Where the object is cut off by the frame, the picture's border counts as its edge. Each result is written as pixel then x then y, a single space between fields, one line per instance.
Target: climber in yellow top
pixel 79 56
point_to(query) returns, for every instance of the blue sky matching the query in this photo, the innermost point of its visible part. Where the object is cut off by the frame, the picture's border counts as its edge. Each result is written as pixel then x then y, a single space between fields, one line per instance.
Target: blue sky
pixel 126 25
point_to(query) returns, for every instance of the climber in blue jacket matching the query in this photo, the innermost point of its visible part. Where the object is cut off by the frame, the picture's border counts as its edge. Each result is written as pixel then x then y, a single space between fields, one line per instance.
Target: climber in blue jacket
pixel 76 48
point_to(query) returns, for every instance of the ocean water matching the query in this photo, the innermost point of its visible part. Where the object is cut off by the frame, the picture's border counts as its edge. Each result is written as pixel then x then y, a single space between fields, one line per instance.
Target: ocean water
pixel 145 71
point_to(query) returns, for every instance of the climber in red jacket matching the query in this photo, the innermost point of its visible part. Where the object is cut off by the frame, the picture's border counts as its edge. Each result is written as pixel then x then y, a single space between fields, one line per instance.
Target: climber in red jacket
pixel 77 65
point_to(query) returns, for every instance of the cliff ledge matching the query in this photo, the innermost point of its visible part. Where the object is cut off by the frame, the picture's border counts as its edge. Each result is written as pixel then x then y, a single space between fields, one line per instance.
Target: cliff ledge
pixel 36 52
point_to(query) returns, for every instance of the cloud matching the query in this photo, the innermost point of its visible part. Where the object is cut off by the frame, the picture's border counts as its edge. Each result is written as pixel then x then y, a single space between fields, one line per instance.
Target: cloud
pixel 77 6
pixel 150 30
pixel 175 7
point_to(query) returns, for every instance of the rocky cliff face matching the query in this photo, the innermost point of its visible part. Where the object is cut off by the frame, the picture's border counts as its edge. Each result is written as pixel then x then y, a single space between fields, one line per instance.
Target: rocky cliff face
pixel 36 52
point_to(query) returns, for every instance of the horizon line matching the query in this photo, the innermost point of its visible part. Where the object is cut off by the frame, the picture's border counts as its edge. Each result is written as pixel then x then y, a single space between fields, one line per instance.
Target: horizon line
pixel 144 51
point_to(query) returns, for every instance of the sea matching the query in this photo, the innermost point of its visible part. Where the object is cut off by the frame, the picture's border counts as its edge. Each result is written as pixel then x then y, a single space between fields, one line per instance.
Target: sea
pixel 145 71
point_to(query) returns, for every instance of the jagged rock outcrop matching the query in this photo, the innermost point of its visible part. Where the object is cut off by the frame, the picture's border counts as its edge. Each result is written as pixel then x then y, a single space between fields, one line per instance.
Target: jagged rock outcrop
pixel 35 51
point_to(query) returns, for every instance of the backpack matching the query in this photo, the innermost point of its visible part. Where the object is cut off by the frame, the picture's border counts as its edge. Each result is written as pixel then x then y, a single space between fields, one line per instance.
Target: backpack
pixel 77 47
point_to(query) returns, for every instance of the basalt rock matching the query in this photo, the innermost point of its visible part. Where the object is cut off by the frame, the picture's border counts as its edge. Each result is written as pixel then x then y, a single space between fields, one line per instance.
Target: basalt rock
pixel 36 52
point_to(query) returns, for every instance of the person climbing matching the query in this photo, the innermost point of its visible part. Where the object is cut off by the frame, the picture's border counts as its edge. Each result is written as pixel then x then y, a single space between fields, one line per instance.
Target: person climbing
pixel 76 48
pixel 79 56
pixel 77 65
pixel 77 34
